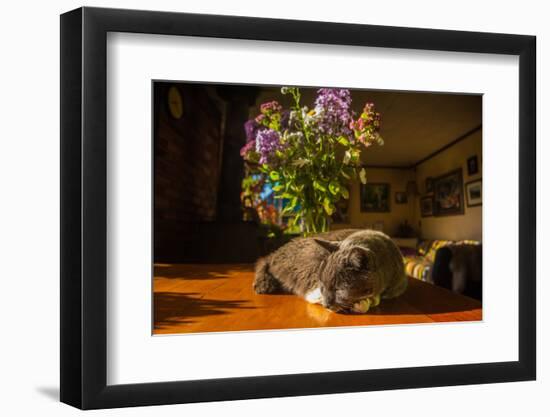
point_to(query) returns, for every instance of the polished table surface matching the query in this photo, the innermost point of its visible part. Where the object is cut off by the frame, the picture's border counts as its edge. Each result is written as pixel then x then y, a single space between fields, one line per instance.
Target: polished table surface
pixel 218 298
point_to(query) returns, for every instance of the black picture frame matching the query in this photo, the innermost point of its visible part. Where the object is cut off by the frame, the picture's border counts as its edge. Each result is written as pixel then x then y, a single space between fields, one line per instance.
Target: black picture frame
pixel 473 167
pixel 401 197
pixel 84 224
pixel 367 206
pixel 441 191
pixel 467 195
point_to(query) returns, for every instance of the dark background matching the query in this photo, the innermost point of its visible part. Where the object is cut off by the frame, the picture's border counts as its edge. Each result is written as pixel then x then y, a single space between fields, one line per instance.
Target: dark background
pixel 197 175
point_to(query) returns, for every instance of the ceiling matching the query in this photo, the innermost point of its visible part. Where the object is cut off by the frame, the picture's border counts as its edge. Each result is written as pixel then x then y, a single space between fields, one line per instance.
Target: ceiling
pixel 414 125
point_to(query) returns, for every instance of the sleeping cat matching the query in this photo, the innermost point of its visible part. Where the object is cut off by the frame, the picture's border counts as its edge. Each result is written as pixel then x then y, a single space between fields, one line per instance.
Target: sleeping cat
pixel 336 269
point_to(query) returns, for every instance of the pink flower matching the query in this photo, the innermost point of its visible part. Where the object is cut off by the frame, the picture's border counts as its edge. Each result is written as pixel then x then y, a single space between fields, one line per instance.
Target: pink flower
pixel 271 107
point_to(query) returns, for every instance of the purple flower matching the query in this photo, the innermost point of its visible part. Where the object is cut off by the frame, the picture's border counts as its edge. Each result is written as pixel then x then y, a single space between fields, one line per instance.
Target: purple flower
pixel 333 107
pixel 267 142
pixel 250 129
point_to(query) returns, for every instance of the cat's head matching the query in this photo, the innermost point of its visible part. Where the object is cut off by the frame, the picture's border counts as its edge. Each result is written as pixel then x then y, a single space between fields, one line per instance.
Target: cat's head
pixel 347 275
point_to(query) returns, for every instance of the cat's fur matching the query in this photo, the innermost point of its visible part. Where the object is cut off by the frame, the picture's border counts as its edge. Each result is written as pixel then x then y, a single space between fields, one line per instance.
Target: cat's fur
pixel 336 268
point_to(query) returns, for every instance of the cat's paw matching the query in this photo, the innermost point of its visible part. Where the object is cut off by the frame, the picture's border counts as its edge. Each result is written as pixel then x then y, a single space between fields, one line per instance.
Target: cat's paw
pixel 362 306
pixel 314 296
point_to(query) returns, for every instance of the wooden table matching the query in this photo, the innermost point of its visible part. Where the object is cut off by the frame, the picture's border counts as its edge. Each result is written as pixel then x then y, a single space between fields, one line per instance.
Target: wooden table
pixel 215 298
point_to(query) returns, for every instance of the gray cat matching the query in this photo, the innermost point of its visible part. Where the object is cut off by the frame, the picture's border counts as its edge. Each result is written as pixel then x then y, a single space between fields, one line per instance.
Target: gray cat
pixel 345 270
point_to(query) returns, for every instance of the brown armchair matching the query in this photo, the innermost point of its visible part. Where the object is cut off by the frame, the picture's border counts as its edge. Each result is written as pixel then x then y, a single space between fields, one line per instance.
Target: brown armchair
pixel 458 267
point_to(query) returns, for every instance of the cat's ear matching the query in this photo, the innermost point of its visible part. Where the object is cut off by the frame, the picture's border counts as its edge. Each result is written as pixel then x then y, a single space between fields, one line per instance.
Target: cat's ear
pixel 358 258
pixel 328 245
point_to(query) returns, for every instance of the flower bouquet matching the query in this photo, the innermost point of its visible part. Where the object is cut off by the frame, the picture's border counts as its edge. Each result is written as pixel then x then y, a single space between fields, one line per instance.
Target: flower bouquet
pixel 309 156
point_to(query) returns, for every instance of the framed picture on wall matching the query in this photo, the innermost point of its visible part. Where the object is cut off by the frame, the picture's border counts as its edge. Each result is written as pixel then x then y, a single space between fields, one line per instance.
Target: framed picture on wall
pixel 401 197
pixel 473 193
pixel 472 165
pixel 375 197
pixel 427 206
pixel 448 194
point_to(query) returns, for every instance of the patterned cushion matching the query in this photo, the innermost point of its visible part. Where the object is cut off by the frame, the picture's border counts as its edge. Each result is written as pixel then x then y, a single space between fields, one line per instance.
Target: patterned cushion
pixel 418 267
pixel 467 242
pixel 424 247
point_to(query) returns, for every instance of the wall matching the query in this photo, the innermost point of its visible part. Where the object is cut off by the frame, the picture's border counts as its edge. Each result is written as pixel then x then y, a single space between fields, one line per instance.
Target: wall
pixel 469 225
pixel 397 178
pixel 30 358
pixel 455 227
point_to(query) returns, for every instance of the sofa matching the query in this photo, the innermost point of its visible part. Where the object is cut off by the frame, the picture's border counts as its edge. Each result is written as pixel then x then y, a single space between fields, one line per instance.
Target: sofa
pixel 456 265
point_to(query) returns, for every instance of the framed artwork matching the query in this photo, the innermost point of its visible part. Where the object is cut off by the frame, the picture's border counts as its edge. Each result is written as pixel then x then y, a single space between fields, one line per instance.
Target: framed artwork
pixel 375 197
pixel 427 206
pixel 474 196
pixel 472 165
pixel 111 353
pixel 400 197
pixel 448 194
pixel 429 185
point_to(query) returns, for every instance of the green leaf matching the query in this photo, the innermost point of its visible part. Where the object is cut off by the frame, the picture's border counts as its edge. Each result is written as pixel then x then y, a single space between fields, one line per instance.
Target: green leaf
pixel 295 219
pixel 345 193
pixel 347 157
pixel 297 188
pixel 300 162
pixel 343 141
pixel 334 187
pixel 363 176
pixel 287 210
pixel 274 175
pixel 277 188
pixel 317 185
pixel 327 205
